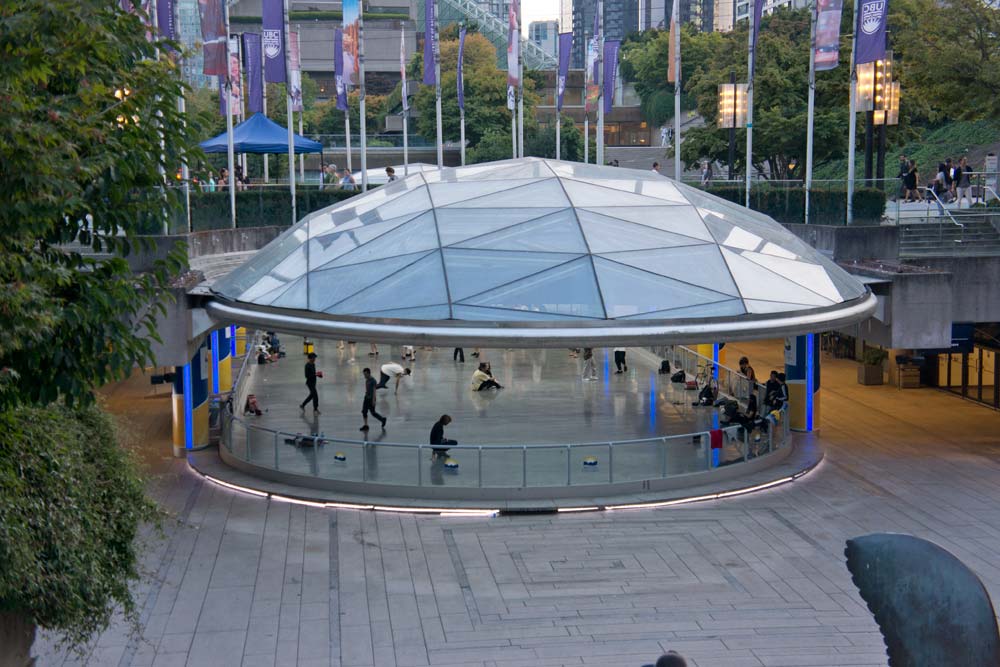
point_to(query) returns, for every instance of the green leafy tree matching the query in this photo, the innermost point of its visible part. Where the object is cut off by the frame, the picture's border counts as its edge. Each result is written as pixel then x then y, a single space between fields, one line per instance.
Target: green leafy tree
pixel 89 123
pixel 542 141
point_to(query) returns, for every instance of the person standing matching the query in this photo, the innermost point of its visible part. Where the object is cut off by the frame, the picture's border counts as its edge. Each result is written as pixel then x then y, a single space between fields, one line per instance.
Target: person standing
pixel 706 173
pixel 963 181
pixel 389 371
pixel 347 181
pixel 311 376
pixel 663 136
pixel 620 360
pixel 589 365
pixel 390 174
pixel 910 181
pixel 747 371
pixel 656 168
pixel 904 169
pixel 458 354
pixel 368 404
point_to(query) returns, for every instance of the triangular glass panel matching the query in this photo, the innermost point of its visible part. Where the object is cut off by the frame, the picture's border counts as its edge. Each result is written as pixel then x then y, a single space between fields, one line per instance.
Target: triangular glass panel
pixel 731 235
pixel 586 194
pixel 606 234
pixel 329 286
pixel 546 192
pixel 569 289
pixel 443 194
pixel 700 265
pixel 811 276
pixel 761 307
pixel 263 291
pixel 243 278
pixel 584 172
pixel 757 282
pixel 630 291
pixel 848 286
pixel 391 201
pixel 473 271
pixel 481 314
pixel 413 236
pixel 682 220
pixel 727 308
pixel 294 296
pixel 438 312
pixel 557 232
pixel 419 284
pixel 726 208
pixel 325 249
pixel 458 224
pixel 505 170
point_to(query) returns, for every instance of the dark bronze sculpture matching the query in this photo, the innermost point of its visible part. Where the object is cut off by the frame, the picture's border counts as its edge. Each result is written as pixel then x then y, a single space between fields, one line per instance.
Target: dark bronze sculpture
pixel 932 609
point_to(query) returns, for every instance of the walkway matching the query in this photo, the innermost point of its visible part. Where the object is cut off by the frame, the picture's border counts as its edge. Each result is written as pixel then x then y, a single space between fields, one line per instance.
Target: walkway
pixel 757 580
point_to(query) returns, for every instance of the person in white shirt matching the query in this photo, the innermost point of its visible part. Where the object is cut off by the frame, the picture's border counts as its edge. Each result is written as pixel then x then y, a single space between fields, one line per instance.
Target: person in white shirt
pixel 656 168
pixel 390 370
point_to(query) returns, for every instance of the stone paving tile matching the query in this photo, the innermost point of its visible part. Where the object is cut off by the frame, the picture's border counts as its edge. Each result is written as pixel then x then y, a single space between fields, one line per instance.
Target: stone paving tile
pixel 751 581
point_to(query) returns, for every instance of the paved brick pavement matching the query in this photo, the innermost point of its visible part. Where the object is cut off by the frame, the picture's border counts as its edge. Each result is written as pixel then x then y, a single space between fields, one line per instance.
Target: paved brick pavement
pixel 755 580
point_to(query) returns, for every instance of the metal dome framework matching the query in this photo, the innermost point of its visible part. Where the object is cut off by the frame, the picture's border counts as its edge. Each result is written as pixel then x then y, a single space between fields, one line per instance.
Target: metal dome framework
pixel 537 252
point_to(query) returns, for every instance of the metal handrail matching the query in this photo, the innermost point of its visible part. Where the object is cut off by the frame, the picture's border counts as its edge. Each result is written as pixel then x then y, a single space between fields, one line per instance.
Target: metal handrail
pixel 940 205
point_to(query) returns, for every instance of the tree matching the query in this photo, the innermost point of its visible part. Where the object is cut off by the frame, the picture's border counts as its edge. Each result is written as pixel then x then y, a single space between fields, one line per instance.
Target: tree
pixel 89 122
pixel 541 142
pixel 485 91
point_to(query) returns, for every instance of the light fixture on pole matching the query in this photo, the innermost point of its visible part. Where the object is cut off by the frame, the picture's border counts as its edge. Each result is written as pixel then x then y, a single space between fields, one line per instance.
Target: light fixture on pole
pixel 732 114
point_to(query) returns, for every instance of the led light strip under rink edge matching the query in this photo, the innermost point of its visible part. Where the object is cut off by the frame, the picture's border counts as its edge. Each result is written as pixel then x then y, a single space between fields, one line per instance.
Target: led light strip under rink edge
pixel 493 512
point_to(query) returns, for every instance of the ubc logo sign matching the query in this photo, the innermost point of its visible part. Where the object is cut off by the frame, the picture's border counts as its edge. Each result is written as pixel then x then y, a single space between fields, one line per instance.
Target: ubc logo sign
pixel 872 14
pixel 272 43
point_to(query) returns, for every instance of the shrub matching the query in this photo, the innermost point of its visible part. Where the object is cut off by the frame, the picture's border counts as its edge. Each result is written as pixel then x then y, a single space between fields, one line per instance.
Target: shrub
pixel 826 206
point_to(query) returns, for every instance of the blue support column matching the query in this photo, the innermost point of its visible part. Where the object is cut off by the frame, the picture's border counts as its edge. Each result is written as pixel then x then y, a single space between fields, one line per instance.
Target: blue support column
pixel 802 374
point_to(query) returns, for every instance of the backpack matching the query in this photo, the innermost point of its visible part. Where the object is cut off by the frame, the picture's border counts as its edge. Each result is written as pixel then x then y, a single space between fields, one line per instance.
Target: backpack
pixel 664 367
pixel 678 377
pixel 261 358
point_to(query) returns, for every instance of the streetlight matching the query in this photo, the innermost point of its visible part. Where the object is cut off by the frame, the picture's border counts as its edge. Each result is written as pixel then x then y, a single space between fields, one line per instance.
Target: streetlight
pixel 873 92
pixel 888 114
pixel 732 114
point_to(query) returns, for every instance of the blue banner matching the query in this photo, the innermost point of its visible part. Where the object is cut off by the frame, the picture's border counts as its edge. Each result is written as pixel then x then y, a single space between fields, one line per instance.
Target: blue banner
pixel 253 67
pixel 870 31
pixel 273 40
pixel 461 78
pixel 610 72
pixel 430 41
pixel 565 51
pixel 338 69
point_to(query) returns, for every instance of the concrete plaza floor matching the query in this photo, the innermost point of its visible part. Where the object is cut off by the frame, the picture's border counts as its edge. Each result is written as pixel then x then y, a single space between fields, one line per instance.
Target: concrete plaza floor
pixel 754 580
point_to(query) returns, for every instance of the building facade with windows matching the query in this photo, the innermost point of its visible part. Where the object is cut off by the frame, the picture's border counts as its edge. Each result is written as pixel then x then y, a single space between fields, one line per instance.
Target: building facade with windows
pixel 545 34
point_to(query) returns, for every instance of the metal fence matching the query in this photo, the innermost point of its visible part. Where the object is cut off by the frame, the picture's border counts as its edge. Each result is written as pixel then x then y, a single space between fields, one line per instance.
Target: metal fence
pixel 495 466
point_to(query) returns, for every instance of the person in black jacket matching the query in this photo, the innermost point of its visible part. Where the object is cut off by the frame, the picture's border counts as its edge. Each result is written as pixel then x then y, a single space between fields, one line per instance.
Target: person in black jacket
pixel 368 405
pixel 311 384
pixel 437 439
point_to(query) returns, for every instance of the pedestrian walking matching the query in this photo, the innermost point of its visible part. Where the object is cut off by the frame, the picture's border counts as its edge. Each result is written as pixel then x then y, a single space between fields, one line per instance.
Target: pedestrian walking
pixel 373 350
pixel 664 132
pixel 311 375
pixel 963 181
pixel 589 365
pixel 458 354
pixel 706 173
pixel 389 371
pixel 368 404
pixel 620 360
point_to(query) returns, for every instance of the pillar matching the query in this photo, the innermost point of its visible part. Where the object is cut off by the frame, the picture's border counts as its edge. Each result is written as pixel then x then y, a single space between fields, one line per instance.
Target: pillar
pixel 223 372
pixel 714 351
pixel 802 374
pixel 190 403
pixel 241 341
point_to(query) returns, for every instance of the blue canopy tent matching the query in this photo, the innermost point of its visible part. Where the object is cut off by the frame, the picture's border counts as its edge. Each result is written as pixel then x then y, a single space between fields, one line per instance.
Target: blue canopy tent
pixel 260 134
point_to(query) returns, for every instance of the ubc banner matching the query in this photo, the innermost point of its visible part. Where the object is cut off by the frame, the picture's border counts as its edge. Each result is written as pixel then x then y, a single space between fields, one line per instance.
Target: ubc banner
pixel 338 68
pixel 870 30
pixel 273 40
pixel 610 72
pixel 165 18
pixel 513 54
pixel 253 66
pixel 461 79
pixel 565 50
pixel 213 36
pixel 430 42
pixel 295 72
pixel 351 37
pixel 827 46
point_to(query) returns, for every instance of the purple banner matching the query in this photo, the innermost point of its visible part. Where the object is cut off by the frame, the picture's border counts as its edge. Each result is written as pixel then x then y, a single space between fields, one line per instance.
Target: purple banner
pixel 758 11
pixel 610 72
pixel 827 45
pixel 430 41
pixel 565 50
pixel 870 31
pixel 338 68
pixel 461 78
pixel 165 18
pixel 402 70
pixel 213 36
pixel 273 41
pixel 253 66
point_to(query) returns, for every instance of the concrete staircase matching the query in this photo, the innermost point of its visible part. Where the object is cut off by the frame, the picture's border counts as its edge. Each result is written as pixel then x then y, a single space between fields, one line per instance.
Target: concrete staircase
pixel 975 237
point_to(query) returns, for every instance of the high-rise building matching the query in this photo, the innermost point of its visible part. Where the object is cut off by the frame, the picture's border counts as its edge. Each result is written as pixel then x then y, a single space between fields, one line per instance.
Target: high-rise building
pixel 546 35
pixel 189 34
pixel 654 14
pixel 621 18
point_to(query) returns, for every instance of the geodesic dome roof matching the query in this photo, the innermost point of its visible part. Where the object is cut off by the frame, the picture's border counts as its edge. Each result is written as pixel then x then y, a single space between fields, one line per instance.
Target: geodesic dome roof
pixel 537 240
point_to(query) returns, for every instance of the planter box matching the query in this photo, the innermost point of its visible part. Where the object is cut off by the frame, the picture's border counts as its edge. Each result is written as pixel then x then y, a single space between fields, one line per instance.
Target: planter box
pixel 869 375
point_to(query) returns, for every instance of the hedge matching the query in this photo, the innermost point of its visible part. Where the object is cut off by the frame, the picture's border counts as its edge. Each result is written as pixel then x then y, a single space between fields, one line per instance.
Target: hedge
pixel 826 207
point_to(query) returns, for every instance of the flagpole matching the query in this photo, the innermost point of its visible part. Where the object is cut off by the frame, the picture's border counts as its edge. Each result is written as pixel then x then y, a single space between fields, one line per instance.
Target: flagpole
pixel 406 142
pixel 599 160
pixel 852 121
pixel 302 157
pixel 406 102
pixel 437 88
pixel 677 90
pixel 558 132
pixel 288 108
pixel 243 100
pixel 750 67
pixel 263 82
pixel 361 101
pixel 810 123
pixel 230 153
pixel 586 135
pixel 520 86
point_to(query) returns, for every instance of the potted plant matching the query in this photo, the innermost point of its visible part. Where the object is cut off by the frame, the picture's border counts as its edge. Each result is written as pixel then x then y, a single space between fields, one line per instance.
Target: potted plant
pixel 870 370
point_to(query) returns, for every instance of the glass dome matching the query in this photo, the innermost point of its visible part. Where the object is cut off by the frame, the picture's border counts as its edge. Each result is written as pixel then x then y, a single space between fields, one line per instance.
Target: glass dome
pixel 537 240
